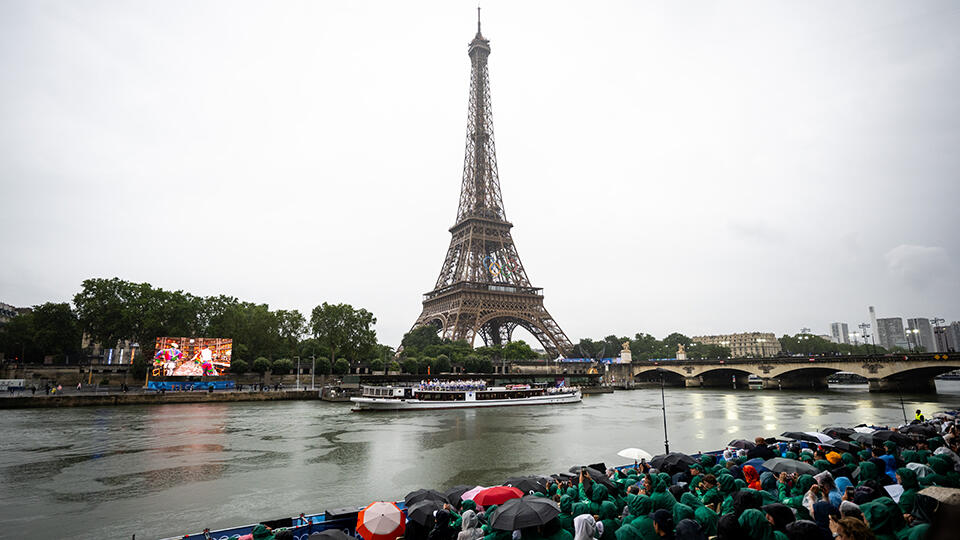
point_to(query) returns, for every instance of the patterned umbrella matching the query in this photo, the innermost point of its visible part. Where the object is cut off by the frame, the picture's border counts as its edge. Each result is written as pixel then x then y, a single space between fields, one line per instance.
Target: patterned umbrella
pixel 380 521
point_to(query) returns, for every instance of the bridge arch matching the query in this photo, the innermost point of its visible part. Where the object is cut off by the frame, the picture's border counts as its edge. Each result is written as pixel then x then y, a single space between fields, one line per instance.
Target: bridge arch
pixel 671 376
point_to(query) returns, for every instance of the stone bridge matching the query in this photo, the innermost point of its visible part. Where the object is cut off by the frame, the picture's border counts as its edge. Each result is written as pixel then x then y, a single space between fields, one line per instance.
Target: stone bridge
pixel 910 372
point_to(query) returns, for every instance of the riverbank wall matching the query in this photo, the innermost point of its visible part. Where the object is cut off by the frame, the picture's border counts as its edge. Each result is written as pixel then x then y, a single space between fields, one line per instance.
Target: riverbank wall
pixel 109 400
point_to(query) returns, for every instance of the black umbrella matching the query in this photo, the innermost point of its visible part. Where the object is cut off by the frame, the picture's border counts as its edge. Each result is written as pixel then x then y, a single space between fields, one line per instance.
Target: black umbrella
pixel 455 493
pixel 780 465
pixel 863 438
pixel 887 435
pixel 839 432
pixel 595 475
pixel 741 444
pixel 843 446
pixel 925 430
pixel 528 511
pixel 672 463
pixel 527 484
pixel 422 511
pixel 800 436
pixel 330 534
pixel 424 495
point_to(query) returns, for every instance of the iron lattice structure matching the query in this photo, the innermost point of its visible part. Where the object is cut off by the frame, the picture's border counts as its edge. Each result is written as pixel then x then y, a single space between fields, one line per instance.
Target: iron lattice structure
pixel 483 287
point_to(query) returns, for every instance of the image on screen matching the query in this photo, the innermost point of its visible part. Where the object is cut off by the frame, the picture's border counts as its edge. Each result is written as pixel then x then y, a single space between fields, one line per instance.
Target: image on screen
pixel 192 357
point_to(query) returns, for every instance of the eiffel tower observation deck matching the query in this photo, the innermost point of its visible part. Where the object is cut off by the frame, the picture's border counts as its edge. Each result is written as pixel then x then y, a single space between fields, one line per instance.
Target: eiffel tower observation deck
pixel 483 288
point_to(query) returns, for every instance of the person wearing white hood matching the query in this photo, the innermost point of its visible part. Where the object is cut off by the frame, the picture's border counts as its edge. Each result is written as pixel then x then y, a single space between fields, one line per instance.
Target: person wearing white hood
pixel 585 527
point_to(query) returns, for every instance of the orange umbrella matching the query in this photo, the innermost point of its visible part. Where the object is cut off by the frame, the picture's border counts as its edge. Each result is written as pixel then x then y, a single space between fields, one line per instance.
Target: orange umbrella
pixel 380 521
pixel 497 495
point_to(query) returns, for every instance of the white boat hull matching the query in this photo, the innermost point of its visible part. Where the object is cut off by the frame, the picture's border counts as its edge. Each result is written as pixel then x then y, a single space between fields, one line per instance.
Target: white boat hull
pixel 393 404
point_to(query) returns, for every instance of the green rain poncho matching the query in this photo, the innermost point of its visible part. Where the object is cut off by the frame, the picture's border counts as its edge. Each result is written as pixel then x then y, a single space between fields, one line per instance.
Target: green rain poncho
pixel 608 516
pixel 639 520
pixel 822 465
pixel 661 498
pixel 682 512
pixel 910 456
pixel 566 513
pixel 880 519
pixel 864 455
pixel 642 532
pixel 598 495
pixel 908 479
pixel 754 523
pixel 706 517
pixel 868 471
pixel 849 460
pixel 794 497
pixel 580 508
pixel 727 484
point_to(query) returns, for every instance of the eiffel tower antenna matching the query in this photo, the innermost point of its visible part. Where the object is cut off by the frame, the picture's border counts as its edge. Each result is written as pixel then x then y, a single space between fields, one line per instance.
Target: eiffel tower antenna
pixel 483 288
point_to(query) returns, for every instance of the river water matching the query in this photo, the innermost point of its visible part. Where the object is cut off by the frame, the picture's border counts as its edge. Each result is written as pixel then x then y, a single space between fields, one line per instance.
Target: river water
pixel 166 470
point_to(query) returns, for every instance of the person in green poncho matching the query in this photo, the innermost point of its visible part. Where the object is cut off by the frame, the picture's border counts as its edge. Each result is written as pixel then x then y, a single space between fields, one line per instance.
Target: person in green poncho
pixel 754 523
pixel 696 474
pixel 908 479
pixel 643 532
pixel 640 508
pixel 880 519
pixel 566 513
pixel 608 516
pixel 793 497
pixel 661 498
pixel 682 512
pixel 706 517
pixel 711 496
pixel 868 471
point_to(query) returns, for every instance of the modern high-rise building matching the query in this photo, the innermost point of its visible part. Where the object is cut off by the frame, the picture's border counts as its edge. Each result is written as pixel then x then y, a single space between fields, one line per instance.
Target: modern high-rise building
pixel 923 337
pixel 840 332
pixel 890 333
pixel 874 328
pixel 952 332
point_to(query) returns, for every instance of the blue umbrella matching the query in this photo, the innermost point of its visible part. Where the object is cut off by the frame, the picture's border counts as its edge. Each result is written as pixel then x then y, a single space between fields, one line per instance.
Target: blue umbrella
pixel 756 463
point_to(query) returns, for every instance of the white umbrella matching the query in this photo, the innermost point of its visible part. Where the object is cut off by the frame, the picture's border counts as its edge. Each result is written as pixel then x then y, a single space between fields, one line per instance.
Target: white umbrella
pixel 635 454
pixel 823 438
pixel 864 429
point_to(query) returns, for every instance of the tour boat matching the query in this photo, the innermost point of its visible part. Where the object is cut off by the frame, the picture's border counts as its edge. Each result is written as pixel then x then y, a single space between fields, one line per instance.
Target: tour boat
pixel 459 396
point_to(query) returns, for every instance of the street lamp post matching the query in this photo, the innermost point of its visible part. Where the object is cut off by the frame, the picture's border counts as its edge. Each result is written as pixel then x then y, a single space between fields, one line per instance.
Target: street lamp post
pixel 313 371
pixel 298 374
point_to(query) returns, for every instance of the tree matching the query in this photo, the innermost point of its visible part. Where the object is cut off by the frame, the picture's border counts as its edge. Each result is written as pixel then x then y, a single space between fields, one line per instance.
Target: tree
pixel 471 364
pixel 411 365
pixel 239 367
pixel 443 364
pixel 417 340
pixel 376 365
pixel 324 367
pixel 261 365
pixel 519 350
pixel 344 330
pixel 138 370
pixel 341 366
pixel 282 366
pixel 291 326
pixel 394 366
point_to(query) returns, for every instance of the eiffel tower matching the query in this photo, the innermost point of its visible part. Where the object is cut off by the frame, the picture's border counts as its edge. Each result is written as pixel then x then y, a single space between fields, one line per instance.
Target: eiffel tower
pixel 483 288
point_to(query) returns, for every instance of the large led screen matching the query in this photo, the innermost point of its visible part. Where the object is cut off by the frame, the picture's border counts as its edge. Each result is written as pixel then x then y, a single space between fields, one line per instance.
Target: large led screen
pixel 192 357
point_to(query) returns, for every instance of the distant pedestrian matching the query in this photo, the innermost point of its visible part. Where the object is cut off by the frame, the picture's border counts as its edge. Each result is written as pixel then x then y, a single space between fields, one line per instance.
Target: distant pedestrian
pixel 33 390
pixel 919 416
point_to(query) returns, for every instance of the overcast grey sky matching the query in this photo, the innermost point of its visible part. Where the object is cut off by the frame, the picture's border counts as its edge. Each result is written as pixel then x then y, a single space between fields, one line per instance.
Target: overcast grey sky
pixel 703 167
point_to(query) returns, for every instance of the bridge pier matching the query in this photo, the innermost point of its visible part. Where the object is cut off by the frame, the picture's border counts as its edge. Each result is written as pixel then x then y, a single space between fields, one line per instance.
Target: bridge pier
pixel 692 382
pixel 919 385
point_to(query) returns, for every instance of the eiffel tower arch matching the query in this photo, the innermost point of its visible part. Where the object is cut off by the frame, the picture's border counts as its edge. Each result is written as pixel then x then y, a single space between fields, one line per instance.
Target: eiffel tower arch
pixel 483 289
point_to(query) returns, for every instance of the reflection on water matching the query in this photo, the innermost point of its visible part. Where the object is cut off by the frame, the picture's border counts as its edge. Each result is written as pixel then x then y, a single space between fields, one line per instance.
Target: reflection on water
pixel 180 468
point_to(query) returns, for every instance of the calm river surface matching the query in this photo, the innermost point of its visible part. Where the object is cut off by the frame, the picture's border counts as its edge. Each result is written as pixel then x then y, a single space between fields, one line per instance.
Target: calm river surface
pixel 166 470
